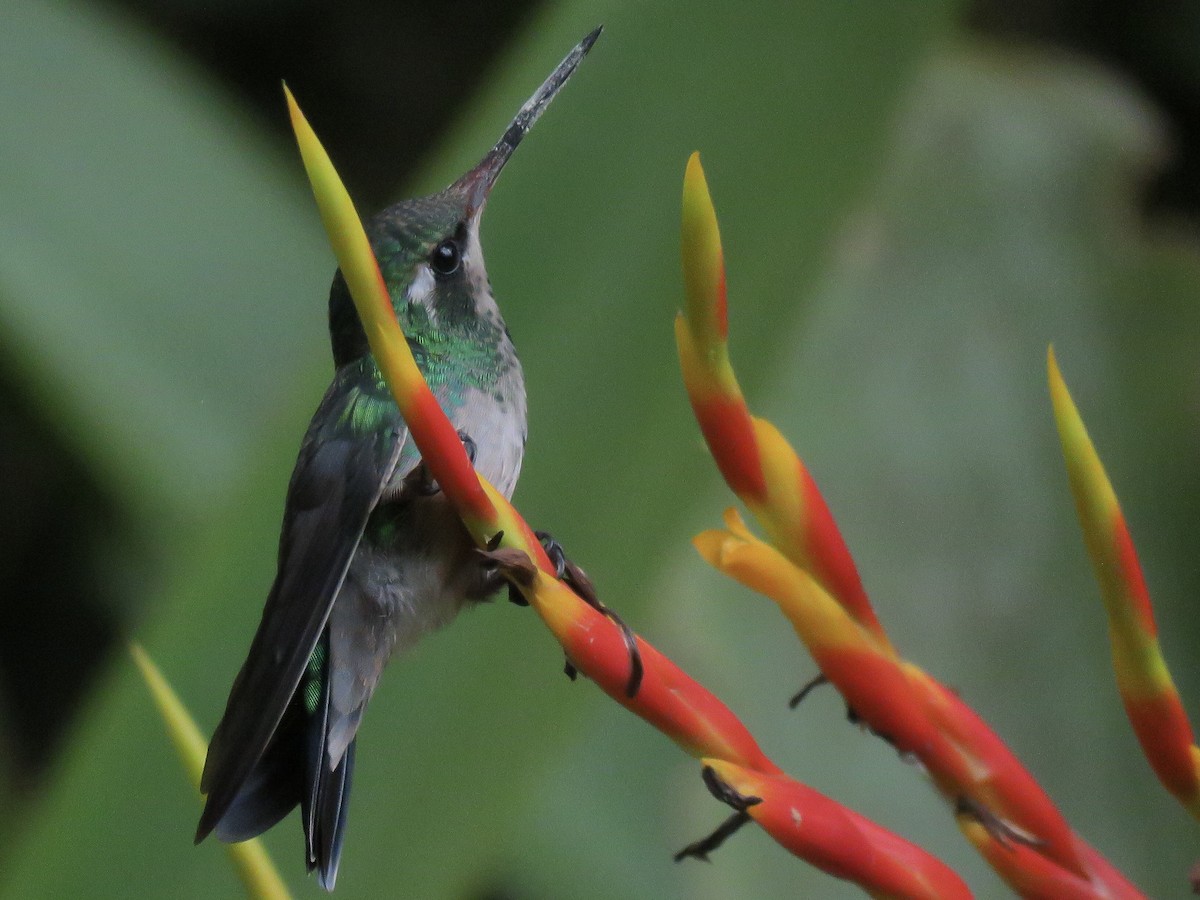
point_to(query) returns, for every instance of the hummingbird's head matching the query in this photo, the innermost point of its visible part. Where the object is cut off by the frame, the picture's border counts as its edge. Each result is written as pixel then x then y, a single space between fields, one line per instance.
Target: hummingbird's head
pixel 428 248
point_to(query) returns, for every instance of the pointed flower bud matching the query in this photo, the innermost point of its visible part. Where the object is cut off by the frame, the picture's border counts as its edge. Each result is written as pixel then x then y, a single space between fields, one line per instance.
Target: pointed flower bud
pixel 1147 690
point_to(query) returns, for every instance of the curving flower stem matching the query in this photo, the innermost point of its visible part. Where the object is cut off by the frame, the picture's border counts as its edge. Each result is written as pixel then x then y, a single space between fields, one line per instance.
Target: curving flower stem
pixel 249 858
pixel 805 822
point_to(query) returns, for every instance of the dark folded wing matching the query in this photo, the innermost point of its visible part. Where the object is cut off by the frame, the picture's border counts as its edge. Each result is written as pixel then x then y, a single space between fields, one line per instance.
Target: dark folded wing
pixel 348 456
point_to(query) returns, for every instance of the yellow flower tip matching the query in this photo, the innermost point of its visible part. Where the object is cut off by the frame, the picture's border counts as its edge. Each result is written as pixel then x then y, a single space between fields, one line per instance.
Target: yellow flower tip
pixel 698 210
pixel 722 547
pixel 703 264
pixel 300 126
pixel 712 546
pixel 1058 387
pixel 735 523
pixel 141 659
pixel 1077 446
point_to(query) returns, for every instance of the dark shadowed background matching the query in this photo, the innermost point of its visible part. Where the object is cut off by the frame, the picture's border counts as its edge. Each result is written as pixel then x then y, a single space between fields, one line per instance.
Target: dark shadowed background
pixel 914 202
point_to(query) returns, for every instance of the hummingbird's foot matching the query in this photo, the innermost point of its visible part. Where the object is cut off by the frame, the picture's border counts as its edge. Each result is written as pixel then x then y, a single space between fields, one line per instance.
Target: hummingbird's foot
pixel 493 574
pixel 419 483
pixel 727 795
pixel 515 597
pixel 578 581
pixel 424 484
pixel 554 550
pixel 1004 832
pixel 852 715
pixel 814 683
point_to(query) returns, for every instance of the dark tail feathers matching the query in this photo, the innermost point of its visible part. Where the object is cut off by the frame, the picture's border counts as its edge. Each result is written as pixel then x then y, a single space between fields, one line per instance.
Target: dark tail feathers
pixel 295 770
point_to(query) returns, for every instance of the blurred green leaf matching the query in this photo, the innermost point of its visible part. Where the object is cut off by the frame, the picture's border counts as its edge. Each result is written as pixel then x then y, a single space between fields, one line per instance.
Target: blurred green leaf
pixel 582 236
pixel 1004 218
pixel 8 787
pixel 895 329
pixel 150 245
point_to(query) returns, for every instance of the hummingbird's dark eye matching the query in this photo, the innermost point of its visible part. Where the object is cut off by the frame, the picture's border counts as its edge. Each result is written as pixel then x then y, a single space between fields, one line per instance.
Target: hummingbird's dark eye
pixel 446 257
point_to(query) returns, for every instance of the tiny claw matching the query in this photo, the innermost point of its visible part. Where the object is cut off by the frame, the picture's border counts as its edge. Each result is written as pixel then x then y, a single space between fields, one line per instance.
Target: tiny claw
pixel 424 484
pixel 569 669
pixel 554 550
pixel 577 579
pixel 515 597
pixel 419 482
pixel 468 445
pixel 808 688
pixel 1005 833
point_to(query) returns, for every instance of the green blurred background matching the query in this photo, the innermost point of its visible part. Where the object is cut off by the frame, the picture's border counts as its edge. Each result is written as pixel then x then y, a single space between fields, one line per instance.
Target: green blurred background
pixel 915 200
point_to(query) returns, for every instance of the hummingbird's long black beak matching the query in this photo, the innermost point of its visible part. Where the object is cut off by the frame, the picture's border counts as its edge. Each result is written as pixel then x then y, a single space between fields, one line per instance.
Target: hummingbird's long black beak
pixel 478 182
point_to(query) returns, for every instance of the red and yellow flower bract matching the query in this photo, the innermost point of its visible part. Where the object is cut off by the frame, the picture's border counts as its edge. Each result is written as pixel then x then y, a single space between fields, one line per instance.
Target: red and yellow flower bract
pixel 1151 701
pixel 805 567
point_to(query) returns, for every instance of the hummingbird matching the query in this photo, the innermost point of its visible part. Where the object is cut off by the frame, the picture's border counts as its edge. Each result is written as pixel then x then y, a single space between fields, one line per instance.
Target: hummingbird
pixel 371 556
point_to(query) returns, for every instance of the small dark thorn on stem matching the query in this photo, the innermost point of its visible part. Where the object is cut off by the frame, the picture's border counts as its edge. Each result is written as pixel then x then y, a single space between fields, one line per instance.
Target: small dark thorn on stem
pixel 725 792
pixel 1004 832
pixel 701 848
pixel 854 718
pixel 808 688
pixel 730 797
